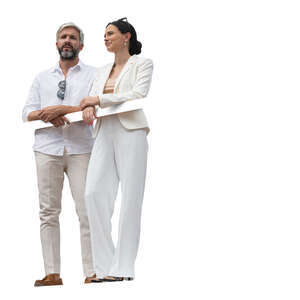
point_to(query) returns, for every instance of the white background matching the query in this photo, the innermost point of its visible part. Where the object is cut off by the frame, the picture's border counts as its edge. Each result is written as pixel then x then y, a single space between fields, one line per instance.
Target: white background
pixel 221 208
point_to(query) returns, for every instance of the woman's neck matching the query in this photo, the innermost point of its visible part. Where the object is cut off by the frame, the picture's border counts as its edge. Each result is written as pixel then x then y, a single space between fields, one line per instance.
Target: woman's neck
pixel 121 57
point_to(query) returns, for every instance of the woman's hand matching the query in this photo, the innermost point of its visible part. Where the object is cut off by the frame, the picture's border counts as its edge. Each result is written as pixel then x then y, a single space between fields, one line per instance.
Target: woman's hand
pixel 89 101
pixel 88 115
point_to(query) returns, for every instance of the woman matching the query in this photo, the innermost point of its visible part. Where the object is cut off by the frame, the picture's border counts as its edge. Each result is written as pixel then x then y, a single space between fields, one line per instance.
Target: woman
pixel 119 153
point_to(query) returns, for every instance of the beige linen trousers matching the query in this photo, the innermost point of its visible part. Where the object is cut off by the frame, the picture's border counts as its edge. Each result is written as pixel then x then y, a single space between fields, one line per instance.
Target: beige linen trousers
pixel 50 174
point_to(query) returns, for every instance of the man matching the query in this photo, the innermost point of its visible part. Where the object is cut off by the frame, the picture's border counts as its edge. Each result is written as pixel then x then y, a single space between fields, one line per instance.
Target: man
pixel 61 149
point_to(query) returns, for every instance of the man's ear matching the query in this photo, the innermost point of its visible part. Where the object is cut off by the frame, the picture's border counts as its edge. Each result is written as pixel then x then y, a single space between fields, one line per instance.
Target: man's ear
pixel 81 47
pixel 56 46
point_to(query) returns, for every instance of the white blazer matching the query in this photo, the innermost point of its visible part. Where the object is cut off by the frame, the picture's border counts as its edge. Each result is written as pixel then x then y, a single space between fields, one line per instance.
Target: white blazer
pixel 132 83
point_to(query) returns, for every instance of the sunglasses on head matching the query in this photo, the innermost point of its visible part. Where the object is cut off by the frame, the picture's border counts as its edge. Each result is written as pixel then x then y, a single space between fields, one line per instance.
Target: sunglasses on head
pixel 125 21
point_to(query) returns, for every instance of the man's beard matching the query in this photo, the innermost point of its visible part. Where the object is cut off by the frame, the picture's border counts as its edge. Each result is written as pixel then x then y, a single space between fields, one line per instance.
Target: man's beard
pixel 68 55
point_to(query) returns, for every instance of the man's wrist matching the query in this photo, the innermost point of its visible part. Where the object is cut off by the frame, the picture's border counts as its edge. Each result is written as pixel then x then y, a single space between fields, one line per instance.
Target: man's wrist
pixel 67 109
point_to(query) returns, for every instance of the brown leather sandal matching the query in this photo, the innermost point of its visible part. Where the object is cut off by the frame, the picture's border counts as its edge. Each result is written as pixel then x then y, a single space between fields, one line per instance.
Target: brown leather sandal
pixel 50 279
pixel 89 279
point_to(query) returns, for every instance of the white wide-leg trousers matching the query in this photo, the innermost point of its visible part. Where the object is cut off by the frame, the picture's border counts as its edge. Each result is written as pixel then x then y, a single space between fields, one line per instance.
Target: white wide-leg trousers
pixel 118 155
pixel 50 173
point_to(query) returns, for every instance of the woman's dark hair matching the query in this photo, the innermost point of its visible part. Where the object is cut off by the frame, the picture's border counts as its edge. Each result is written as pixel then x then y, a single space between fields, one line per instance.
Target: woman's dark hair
pixel 134 45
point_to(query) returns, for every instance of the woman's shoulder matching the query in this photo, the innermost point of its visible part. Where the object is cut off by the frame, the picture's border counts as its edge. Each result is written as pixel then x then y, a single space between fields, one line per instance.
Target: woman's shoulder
pixel 142 60
pixel 143 64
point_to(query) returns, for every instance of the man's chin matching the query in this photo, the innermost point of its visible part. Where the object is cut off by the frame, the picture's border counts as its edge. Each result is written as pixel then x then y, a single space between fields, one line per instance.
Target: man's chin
pixel 67 55
pixel 67 58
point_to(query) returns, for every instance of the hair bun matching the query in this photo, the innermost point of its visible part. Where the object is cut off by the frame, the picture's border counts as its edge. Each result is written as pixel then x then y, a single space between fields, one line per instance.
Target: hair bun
pixel 135 47
pixel 139 47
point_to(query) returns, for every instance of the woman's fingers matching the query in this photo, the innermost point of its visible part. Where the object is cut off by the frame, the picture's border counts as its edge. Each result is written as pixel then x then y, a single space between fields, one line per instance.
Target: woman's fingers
pixel 91 117
pixel 88 115
pixel 85 116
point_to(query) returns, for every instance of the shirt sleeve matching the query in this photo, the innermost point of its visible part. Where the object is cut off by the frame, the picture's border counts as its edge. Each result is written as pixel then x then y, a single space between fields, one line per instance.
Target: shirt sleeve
pixel 33 101
pixel 139 90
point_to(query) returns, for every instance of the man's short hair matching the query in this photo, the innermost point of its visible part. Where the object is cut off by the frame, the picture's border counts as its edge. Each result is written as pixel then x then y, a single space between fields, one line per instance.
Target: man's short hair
pixel 71 24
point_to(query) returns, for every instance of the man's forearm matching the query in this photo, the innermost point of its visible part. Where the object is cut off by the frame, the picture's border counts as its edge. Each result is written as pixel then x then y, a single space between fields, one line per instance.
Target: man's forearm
pixel 67 109
pixel 60 110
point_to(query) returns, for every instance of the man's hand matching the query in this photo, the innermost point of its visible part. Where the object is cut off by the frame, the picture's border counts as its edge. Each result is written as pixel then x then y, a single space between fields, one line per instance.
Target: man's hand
pixel 59 121
pixel 49 113
pixel 88 115
pixel 89 101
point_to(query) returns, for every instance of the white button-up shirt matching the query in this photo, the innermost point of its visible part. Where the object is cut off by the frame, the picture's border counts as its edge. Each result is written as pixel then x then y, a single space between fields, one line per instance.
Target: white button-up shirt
pixel 76 138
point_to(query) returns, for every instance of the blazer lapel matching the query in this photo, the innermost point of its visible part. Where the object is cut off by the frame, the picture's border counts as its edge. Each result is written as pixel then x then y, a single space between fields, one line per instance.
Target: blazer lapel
pixel 127 66
pixel 104 77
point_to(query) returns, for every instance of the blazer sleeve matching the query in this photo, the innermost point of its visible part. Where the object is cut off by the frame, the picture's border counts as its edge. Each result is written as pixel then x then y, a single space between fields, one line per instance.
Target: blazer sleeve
pixel 140 88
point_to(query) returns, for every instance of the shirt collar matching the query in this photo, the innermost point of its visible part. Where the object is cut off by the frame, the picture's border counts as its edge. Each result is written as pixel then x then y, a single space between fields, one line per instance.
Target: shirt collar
pixel 79 66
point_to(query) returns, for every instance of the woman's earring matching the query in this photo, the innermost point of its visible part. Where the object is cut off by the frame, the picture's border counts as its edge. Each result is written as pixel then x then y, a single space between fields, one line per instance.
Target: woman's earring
pixel 125 43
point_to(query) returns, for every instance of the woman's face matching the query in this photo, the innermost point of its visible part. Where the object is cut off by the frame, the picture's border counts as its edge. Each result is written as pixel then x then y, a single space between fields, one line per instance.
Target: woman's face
pixel 114 39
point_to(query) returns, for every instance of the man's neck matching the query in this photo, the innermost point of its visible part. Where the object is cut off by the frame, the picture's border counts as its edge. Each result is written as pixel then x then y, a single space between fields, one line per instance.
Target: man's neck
pixel 65 65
